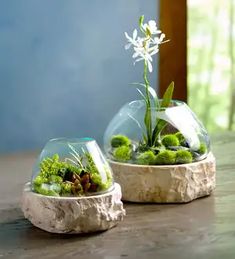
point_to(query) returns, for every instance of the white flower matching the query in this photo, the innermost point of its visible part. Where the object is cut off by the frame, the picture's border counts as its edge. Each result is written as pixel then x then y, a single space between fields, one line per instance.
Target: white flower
pixel 147 46
pixel 152 27
pixel 159 40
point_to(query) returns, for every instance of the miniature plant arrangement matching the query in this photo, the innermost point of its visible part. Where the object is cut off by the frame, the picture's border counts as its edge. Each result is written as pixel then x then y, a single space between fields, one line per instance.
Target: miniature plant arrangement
pixel 72 177
pixel 72 189
pixel 152 134
pixel 171 149
pixel 161 142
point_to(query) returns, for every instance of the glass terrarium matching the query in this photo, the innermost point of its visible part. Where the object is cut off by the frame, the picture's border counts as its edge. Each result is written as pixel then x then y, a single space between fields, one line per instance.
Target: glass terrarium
pixel 71 167
pixel 167 136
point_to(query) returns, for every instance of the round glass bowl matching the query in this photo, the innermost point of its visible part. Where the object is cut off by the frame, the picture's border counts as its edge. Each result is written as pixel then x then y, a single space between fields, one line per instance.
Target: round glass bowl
pixel 71 167
pixel 172 135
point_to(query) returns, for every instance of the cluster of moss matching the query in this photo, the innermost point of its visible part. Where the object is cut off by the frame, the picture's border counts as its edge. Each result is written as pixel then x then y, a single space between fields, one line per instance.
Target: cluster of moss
pixel 60 178
pixel 122 150
pixel 172 150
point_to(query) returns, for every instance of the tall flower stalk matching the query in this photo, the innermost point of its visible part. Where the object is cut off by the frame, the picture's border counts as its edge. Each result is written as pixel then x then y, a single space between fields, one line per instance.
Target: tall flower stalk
pixel 144 48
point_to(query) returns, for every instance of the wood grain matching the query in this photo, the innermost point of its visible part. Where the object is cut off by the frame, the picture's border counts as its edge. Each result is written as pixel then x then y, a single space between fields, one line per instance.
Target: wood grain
pixel 173 55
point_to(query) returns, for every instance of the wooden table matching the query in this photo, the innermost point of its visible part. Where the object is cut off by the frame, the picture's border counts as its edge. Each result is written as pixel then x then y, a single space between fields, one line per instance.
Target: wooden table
pixel 204 228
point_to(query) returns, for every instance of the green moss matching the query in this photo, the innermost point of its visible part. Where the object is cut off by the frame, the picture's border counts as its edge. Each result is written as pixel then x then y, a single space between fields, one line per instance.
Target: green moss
pixel 66 189
pixel 202 149
pixel 66 166
pixel 104 185
pixel 180 137
pixel 183 157
pixel 96 177
pixel 55 179
pixel 165 157
pixel 45 190
pixel 52 166
pixel 91 167
pixel 146 158
pixel 40 180
pixel 120 140
pixel 122 153
pixel 170 140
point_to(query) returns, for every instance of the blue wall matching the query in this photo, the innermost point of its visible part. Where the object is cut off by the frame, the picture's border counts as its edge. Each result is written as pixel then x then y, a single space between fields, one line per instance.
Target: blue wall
pixel 63 67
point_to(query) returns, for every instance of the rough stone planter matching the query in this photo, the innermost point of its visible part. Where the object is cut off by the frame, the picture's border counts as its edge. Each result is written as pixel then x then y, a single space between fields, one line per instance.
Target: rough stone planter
pixel 73 214
pixel 165 184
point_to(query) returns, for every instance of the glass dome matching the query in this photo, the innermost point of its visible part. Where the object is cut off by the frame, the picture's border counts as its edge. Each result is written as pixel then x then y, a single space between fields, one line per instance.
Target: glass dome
pixel 174 135
pixel 71 167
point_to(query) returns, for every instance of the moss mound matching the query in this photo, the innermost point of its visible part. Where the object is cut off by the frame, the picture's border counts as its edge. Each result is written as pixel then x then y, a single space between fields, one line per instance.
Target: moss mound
pixel 122 153
pixel 183 157
pixel 170 140
pixel 202 149
pixel 180 137
pixel 165 157
pixel 146 158
pixel 120 140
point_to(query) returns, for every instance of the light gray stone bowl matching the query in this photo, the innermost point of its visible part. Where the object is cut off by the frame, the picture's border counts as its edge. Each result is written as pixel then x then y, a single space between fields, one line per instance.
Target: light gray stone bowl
pixel 166 184
pixel 73 214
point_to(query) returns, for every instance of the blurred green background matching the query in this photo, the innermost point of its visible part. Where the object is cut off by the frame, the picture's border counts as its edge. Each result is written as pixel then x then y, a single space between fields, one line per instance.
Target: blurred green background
pixel 211 77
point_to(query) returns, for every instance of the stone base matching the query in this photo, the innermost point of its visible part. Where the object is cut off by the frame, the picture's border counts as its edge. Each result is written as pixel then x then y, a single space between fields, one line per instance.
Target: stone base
pixel 73 214
pixel 165 184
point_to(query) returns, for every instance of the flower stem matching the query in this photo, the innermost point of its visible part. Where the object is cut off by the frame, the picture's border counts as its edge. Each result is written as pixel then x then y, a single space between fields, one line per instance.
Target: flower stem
pixel 148 116
pixel 146 80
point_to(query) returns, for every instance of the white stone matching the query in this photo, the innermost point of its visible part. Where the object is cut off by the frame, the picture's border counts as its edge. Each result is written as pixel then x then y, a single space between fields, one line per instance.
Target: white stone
pixel 73 214
pixel 165 184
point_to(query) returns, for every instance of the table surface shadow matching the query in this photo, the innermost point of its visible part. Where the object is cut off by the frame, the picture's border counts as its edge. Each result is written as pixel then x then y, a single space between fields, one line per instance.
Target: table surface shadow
pixel 204 228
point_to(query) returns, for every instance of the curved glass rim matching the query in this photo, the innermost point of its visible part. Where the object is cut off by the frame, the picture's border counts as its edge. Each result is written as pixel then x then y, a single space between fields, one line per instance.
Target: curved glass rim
pixel 176 103
pixel 71 140
pixel 90 195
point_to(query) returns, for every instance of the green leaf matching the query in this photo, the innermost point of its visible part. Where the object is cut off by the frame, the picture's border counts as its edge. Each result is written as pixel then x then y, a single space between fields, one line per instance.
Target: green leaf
pixel 142 95
pixel 148 32
pixel 160 125
pixel 151 91
pixel 141 20
pixel 148 124
pixel 167 97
